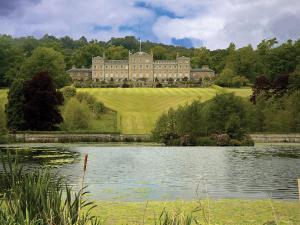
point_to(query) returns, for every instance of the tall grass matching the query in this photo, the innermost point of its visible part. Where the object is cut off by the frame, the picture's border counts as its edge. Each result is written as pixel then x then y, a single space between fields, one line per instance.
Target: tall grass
pixel 40 198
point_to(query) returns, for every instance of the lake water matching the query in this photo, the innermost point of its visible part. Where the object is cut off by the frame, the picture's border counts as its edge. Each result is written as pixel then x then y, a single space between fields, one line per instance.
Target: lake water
pixel 140 173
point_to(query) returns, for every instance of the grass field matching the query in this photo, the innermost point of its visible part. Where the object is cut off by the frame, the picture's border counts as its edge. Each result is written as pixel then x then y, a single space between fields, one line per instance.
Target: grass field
pixel 225 211
pixel 139 108
pixel 3 96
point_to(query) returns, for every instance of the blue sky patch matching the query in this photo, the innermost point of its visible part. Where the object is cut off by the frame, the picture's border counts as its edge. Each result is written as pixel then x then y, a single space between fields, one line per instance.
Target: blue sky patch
pixel 159 11
pixel 102 28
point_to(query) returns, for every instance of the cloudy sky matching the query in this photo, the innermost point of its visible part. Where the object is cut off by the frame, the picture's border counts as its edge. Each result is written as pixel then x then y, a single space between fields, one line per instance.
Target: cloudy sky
pixel 210 23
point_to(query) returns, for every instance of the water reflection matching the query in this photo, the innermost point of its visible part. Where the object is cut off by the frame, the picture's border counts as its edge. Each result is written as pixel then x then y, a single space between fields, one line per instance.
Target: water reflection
pixel 167 173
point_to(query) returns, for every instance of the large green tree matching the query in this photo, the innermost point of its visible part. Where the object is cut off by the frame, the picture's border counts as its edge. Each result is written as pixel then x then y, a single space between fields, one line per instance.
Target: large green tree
pixel 46 59
pixel 227 114
pixel 82 57
pixel 77 115
pixel 14 109
pixel 11 57
pixel 116 52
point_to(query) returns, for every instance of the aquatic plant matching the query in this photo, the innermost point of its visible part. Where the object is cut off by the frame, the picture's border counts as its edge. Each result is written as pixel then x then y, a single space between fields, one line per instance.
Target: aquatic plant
pixel 40 197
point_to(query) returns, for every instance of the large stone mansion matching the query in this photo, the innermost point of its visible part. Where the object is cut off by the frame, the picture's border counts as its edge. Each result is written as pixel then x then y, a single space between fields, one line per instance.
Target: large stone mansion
pixel 140 66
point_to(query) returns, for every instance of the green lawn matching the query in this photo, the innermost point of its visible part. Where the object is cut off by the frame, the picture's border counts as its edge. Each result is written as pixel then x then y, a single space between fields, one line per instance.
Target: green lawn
pixel 220 212
pixel 107 123
pixel 139 108
pixel 3 96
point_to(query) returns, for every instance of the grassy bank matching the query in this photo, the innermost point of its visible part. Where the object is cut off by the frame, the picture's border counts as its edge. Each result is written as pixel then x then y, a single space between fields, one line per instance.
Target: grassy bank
pixel 139 108
pixel 225 211
pixel 3 96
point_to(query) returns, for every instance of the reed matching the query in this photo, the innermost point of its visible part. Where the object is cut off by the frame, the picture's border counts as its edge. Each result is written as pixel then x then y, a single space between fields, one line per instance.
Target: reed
pixel 41 198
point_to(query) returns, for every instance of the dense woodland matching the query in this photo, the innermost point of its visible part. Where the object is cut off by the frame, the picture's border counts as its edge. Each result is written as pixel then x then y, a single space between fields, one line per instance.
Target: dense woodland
pixel 19 57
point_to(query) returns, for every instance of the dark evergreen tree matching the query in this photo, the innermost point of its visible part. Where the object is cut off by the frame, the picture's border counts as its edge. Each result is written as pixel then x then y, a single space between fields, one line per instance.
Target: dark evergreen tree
pixel 42 100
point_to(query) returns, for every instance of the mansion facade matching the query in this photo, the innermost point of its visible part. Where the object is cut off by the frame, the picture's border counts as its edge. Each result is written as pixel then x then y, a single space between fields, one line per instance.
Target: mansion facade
pixel 140 66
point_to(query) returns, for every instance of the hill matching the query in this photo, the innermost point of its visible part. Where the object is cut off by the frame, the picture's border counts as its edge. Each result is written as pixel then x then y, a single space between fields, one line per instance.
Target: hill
pixel 139 108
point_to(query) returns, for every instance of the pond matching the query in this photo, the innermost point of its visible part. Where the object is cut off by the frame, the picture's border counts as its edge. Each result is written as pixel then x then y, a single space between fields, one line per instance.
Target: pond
pixel 141 173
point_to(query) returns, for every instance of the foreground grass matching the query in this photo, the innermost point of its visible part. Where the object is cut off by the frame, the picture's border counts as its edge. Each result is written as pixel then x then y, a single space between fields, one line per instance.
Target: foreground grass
pixel 139 108
pixel 226 211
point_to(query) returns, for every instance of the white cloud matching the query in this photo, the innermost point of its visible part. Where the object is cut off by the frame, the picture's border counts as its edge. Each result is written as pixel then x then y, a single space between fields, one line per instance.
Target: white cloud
pixel 75 18
pixel 215 22
pixel 243 22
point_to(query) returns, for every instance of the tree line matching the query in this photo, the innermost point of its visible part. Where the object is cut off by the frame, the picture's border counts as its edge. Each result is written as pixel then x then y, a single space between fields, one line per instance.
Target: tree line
pixel 227 119
pixel 19 57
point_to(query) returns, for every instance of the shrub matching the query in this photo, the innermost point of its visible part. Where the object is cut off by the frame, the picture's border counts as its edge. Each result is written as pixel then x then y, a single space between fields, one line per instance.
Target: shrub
pixel 235 142
pixel 247 141
pixel 205 141
pixel 221 139
pixel 158 85
pixel 128 139
pixel 89 99
pixel 3 130
pixel 76 115
pixel 125 85
pixel 68 92
pixel 98 108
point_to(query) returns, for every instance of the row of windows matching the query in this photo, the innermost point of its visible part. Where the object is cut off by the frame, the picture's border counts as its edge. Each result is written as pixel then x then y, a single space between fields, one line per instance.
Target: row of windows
pixel 146 75
pixel 170 75
pixel 161 67
pixel 170 67
pixel 117 75
pixel 112 67
pixel 139 60
pixel 140 66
